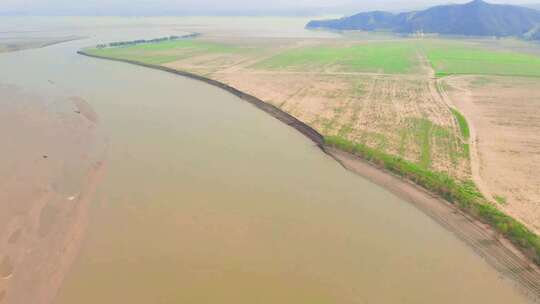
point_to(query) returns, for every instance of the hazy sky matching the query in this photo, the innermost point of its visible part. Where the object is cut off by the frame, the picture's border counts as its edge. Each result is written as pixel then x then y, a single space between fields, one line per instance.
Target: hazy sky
pixel 214 6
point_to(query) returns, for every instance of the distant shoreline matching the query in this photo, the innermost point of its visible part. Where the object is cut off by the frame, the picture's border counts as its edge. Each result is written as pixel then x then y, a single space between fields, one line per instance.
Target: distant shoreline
pixel 17 48
pixel 500 254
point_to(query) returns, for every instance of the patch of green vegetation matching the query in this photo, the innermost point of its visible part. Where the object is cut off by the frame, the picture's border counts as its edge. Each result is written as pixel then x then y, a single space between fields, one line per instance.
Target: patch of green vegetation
pixel 377 139
pixel 458 58
pixel 163 52
pixel 431 139
pixel 422 131
pixel 327 125
pixel 463 125
pixel 191 44
pixel 466 151
pixel 125 54
pixel 441 74
pixel 345 130
pixel 465 195
pixel 396 57
pixel 403 138
pixel 500 199
pixel 445 140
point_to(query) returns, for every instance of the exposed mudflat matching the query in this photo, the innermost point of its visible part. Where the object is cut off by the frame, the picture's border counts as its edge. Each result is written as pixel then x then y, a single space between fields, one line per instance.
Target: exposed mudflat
pixel 51 162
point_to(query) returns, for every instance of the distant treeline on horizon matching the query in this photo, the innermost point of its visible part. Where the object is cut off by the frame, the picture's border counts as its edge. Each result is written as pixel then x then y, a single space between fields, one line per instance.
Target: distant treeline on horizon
pixel 143 41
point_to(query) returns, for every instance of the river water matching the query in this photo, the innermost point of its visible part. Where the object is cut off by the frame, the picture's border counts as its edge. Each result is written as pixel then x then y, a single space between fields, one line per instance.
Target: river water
pixel 209 200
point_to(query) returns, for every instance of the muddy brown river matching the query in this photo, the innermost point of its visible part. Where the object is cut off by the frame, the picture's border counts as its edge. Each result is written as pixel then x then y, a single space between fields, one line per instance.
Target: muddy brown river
pixel 205 199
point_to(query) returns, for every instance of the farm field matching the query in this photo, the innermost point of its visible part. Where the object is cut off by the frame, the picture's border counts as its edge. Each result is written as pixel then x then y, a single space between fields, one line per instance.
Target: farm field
pixel 390 58
pixel 449 58
pixel 384 94
pixel 506 115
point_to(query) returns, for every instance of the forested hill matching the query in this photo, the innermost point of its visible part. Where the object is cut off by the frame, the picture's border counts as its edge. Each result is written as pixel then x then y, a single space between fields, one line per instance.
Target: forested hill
pixel 476 18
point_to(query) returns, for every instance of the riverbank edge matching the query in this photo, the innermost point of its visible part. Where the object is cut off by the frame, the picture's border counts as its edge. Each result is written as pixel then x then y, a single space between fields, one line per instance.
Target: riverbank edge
pixel 500 253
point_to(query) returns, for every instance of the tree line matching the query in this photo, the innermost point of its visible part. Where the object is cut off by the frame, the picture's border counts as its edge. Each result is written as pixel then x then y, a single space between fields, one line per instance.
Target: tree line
pixel 143 41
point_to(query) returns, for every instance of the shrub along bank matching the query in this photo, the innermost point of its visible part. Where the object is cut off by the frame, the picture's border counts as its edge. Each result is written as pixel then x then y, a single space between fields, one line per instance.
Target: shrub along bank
pixel 465 195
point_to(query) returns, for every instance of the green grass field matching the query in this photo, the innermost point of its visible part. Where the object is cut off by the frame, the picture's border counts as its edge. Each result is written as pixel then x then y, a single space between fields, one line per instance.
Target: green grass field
pixel 459 58
pixel 399 57
pixel 393 58
pixel 168 51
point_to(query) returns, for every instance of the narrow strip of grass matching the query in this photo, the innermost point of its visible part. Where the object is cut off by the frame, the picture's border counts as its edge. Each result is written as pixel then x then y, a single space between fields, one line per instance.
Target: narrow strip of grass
pixel 441 74
pixel 500 199
pixel 167 51
pixel 465 195
pixel 423 133
pixel 463 125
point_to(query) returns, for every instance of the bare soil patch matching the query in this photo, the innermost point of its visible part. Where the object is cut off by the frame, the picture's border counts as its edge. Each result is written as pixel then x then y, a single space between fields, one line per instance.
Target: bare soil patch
pixel 505 114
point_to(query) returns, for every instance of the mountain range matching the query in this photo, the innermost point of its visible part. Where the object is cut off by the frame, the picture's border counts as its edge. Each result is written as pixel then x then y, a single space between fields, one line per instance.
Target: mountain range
pixel 476 18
